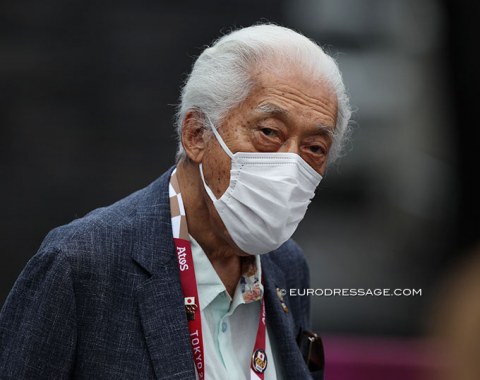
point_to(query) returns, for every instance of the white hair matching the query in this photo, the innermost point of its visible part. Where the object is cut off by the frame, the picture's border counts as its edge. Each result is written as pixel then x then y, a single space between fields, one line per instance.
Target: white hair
pixel 221 77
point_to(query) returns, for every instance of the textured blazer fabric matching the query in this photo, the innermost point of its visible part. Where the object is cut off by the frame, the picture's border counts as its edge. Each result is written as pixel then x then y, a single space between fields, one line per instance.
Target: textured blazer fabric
pixel 102 299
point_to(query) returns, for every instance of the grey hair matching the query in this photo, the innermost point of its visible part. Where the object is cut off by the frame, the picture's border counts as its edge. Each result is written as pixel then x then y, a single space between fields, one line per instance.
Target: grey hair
pixel 222 76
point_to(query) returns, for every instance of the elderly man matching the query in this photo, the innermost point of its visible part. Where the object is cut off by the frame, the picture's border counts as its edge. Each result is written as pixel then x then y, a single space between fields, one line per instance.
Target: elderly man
pixel 184 279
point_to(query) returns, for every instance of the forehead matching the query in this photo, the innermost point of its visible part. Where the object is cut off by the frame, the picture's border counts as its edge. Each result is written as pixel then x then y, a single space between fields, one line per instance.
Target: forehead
pixel 293 93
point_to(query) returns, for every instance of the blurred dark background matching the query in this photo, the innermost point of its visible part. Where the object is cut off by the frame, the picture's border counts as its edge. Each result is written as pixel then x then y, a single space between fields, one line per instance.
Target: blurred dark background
pixel 87 94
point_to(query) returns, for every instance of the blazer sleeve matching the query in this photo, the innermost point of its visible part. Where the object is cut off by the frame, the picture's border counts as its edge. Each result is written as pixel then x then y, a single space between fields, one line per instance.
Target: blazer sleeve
pixel 38 321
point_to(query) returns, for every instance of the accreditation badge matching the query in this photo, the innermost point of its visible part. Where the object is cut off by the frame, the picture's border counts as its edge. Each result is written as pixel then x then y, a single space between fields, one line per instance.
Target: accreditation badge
pixel 259 361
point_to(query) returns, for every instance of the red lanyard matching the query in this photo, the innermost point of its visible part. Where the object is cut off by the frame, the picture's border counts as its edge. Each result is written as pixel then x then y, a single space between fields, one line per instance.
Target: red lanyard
pixel 192 308
pixel 259 362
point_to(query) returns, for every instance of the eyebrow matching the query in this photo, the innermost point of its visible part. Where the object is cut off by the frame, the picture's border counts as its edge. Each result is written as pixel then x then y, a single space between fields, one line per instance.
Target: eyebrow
pixel 270 109
pixel 273 109
pixel 326 131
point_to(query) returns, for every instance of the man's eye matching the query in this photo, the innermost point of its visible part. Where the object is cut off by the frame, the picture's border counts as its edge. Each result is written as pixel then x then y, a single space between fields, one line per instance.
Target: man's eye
pixel 316 149
pixel 268 132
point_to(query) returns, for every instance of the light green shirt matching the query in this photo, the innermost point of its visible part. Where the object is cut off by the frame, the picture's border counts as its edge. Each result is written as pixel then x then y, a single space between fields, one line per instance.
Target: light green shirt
pixel 229 326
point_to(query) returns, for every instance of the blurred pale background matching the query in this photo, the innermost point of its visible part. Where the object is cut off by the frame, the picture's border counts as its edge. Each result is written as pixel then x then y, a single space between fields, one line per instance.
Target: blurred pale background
pixel 87 95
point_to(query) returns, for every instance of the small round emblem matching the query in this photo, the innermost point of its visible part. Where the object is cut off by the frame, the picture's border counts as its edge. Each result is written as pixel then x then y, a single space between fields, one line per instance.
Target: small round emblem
pixel 259 361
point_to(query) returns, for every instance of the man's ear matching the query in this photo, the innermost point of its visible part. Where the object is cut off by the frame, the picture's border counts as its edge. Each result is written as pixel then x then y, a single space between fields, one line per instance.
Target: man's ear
pixel 193 139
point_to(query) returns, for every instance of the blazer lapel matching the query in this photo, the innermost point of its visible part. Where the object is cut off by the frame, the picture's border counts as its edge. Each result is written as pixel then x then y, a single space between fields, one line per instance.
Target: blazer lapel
pixel 165 327
pixel 160 296
pixel 281 323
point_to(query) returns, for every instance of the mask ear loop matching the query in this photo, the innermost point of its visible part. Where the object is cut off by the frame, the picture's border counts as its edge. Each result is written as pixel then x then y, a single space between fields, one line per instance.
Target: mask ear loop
pixel 225 149
pixel 219 139
pixel 207 189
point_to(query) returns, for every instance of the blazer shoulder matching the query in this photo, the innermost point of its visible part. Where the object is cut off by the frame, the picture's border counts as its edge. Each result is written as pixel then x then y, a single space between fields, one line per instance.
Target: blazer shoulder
pixel 108 229
pixel 88 230
pixel 290 258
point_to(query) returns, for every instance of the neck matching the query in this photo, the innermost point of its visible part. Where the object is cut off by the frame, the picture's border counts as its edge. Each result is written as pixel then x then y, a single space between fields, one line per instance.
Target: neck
pixel 225 259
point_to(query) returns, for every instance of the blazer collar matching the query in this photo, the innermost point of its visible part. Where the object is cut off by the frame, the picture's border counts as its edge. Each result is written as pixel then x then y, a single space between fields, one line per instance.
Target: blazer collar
pixel 154 247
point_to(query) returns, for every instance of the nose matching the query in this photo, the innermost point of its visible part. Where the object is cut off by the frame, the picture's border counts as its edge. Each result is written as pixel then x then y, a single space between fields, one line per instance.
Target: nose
pixel 290 146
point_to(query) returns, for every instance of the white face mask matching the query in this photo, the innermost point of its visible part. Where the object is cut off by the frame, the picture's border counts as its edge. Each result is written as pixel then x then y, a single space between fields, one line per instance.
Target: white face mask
pixel 267 197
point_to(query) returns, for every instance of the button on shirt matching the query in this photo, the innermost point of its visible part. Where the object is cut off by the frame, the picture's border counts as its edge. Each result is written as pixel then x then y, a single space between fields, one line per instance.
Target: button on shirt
pixel 230 326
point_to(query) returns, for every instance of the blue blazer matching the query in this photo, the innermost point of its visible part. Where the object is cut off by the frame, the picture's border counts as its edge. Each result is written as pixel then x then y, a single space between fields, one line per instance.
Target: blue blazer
pixel 102 299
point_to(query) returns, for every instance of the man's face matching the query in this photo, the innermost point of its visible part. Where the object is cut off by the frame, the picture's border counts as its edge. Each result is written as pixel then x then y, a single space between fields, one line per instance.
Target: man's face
pixel 285 112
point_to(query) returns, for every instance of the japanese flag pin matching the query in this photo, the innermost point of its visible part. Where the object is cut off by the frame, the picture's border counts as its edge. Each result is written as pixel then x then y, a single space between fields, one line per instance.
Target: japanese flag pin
pixel 189 301
pixel 190 308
